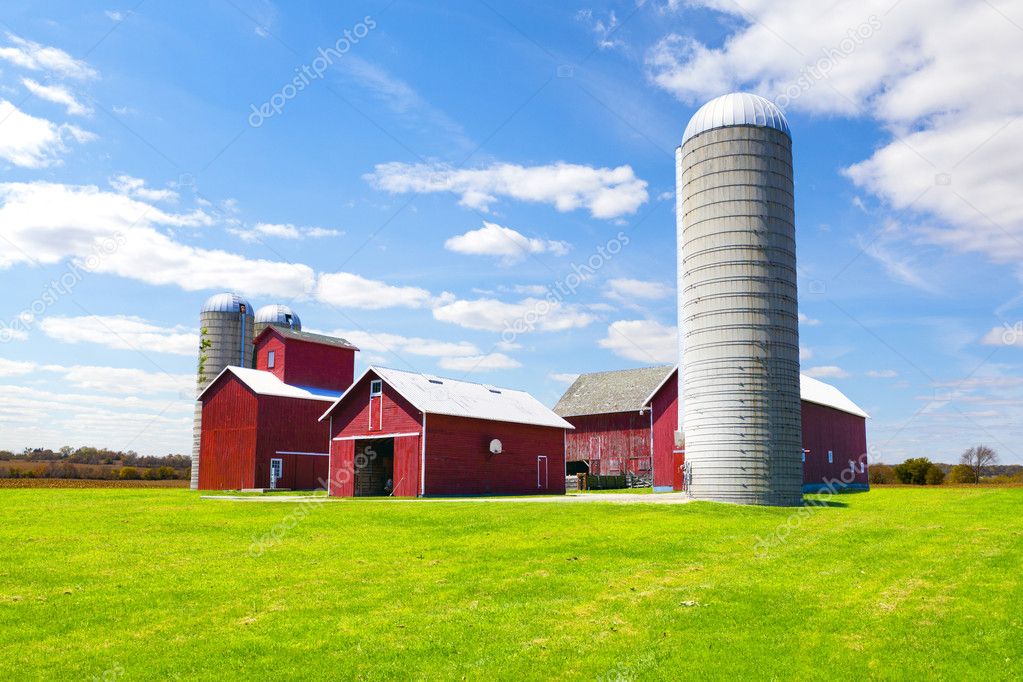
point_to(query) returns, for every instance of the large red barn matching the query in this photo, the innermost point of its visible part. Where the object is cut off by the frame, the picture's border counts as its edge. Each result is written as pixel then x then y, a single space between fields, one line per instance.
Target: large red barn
pixel 626 422
pixel 260 427
pixel 432 436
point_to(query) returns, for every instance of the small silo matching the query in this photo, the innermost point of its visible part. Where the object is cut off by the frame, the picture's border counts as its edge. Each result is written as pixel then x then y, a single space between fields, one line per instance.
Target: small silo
pixel 278 315
pixel 225 338
pixel 738 320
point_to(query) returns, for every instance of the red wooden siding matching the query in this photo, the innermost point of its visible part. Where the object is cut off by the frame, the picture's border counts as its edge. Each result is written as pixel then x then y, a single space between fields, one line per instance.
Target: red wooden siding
pixel 227 446
pixel 825 428
pixel 301 363
pixel 665 409
pixel 391 414
pixel 611 443
pixel 458 459
pixel 290 425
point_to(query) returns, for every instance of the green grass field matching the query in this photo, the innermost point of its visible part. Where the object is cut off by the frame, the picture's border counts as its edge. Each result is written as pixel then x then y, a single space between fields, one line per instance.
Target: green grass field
pixel 137 584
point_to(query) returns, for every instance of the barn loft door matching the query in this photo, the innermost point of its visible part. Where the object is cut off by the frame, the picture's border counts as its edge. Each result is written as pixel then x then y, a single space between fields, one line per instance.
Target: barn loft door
pixel 376 405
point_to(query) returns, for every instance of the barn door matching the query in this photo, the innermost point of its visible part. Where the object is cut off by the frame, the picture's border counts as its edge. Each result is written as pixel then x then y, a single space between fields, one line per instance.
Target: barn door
pixel 341 476
pixel 406 466
pixel 276 472
pixel 542 481
pixel 678 461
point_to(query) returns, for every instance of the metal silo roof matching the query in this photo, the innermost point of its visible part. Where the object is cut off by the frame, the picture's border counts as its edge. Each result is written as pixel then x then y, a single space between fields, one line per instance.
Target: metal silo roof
pixel 279 314
pixel 736 109
pixel 225 303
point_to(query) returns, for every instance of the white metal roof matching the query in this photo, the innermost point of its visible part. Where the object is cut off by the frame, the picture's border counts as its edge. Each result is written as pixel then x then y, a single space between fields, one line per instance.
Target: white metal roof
pixel 438 395
pixel 736 109
pixel 279 314
pixel 225 303
pixel 266 383
pixel 813 391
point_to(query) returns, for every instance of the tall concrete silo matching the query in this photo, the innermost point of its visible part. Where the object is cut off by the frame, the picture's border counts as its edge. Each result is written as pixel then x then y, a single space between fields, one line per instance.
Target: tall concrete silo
pixel 738 320
pixel 225 326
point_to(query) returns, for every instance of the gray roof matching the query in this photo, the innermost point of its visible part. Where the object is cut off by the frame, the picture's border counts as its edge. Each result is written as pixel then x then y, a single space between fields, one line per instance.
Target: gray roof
pixel 624 390
pixel 323 339
pixel 278 314
pixel 736 109
pixel 226 303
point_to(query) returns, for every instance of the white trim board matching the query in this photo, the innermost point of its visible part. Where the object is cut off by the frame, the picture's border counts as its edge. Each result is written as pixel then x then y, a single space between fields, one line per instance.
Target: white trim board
pixel 311 454
pixel 377 436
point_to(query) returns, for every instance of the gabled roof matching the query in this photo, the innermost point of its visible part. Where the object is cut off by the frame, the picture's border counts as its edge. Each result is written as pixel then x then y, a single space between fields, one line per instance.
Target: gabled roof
pixel 266 383
pixel 456 398
pixel 623 390
pixel 597 392
pixel 813 391
pixel 309 337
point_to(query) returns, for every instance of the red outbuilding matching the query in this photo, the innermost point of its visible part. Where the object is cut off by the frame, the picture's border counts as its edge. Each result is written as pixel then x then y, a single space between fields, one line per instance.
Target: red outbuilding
pixel 418 435
pixel 260 427
pixel 609 410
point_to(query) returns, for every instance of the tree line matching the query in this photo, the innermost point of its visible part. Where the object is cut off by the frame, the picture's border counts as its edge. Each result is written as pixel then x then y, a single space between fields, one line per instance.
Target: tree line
pixel 976 465
pixel 90 455
pixel 92 463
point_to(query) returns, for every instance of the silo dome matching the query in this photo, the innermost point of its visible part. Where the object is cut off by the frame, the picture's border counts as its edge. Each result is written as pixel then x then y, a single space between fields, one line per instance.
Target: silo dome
pixel 736 109
pixel 226 303
pixel 280 315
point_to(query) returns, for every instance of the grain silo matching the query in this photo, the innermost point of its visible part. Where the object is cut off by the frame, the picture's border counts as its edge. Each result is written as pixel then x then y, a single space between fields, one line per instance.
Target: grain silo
pixel 276 314
pixel 225 338
pixel 738 324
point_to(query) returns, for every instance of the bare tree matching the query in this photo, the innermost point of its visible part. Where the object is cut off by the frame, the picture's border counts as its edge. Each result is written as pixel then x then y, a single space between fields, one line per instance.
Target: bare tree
pixel 978 458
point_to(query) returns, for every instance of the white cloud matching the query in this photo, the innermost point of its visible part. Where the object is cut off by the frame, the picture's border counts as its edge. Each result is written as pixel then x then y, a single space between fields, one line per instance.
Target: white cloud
pixel 136 187
pixel 57 94
pixel 826 372
pixel 110 233
pixel 642 340
pixel 36 57
pixel 808 321
pixel 282 231
pixel 32 142
pixel 13 368
pixel 805 353
pixel 1005 336
pixel 348 290
pixel 604 29
pixel 116 15
pixel 632 289
pixel 562 377
pixel 937 76
pixel 530 314
pixel 479 363
pixel 605 192
pixel 123 332
pixel 382 342
pixel 495 240
pixel 127 381
pixel 882 374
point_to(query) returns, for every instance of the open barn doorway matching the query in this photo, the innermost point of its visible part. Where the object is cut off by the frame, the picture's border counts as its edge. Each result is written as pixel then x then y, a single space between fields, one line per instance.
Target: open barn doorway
pixel 374 467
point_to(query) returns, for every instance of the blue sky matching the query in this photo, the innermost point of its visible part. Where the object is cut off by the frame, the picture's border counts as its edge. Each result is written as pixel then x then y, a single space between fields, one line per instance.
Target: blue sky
pixel 420 179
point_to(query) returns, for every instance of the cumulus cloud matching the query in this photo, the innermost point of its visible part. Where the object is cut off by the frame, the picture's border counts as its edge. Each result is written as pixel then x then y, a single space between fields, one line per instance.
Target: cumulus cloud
pixel 807 320
pixel 383 342
pixel 633 289
pixel 826 372
pixel 646 341
pixel 126 380
pixel 479 363
pixel 562 377
pixel 1005 336
pixel 605 192
pixel 348 290
pixel 13 368
pixel 57 94
pixel 125 332
pixel 527 315
pixel 37 57
pixel 508 244
pixel 882 374
pixel 937 76
pixel 32 142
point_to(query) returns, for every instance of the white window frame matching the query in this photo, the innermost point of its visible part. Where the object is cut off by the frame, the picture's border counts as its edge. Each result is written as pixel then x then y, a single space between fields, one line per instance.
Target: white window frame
pixel 376 388
pixel 273 479
pixel 831 456
pixel 271 359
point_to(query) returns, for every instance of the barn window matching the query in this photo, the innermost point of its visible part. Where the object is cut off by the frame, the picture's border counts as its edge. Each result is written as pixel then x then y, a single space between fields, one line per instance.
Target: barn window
pixel 376 388
pixel 831 457
pixel 270 359
pixel 852 466
pixel 863 467
pixel 804 456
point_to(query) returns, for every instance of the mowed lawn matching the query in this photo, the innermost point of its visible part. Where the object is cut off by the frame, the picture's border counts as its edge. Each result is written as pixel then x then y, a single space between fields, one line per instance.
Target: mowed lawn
pixel 141 584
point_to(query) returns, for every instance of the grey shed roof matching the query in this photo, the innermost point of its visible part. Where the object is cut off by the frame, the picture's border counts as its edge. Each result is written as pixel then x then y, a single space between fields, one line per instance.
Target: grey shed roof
pixel 624 390
pixel 323 339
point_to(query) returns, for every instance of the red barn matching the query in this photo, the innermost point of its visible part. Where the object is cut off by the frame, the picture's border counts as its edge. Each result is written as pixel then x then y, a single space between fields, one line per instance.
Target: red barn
pixel 609 409
pixel 261 427
pixel 432 436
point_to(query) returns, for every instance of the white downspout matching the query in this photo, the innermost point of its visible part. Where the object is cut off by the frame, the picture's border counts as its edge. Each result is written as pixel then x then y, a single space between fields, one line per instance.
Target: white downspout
pixel 422 460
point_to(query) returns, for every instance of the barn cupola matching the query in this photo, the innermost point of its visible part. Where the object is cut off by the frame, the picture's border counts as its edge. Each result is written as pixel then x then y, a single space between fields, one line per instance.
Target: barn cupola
pixel 304 359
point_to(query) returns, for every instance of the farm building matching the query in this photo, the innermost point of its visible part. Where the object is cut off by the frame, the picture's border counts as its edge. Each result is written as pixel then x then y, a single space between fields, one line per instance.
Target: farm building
pixel 625 423
pixel 432 436
pixel 260 426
